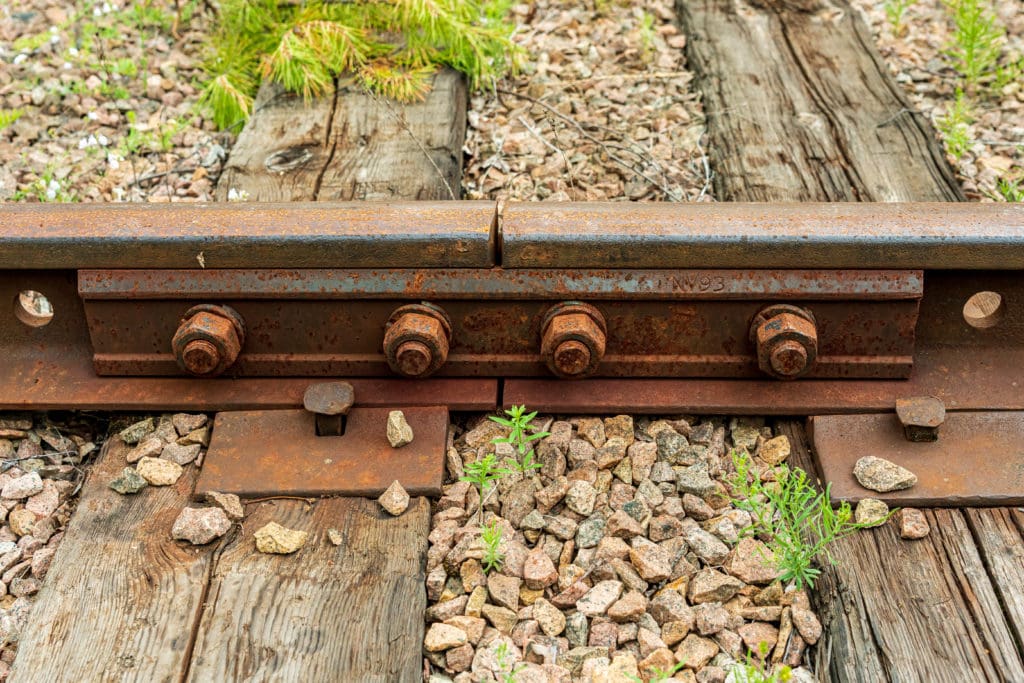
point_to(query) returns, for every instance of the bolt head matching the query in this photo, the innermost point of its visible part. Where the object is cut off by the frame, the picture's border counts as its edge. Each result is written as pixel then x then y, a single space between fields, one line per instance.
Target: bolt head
pixel 207 343
pixel 572 358
pixel 200 357
pixel 413 358
pixel 789 358
pixel 416 341
pixel 329 398
pixel 573 342
pixel 787 345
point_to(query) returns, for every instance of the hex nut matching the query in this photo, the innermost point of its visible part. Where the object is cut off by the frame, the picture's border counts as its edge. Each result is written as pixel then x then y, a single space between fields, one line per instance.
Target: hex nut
pixel 417 340
pixel 208 340
pixel 573 340
pixel 787 343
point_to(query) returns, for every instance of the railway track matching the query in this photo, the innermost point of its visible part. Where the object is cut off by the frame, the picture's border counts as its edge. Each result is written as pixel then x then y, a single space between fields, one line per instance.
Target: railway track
pixel 262 313
pixel 809 309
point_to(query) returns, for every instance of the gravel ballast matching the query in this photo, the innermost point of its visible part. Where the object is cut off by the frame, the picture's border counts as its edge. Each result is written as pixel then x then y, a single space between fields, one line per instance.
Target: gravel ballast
pixel 622 557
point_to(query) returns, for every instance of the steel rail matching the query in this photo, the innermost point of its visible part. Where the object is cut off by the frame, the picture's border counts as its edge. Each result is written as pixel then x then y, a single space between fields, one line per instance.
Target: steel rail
pixel 672 295
pixel 513 235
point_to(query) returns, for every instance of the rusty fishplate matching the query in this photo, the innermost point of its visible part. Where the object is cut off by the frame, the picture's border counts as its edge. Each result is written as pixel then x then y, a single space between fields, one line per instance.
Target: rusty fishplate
pixel 510 323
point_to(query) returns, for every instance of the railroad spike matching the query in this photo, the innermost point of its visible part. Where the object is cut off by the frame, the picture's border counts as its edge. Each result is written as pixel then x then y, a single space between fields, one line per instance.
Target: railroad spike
pixel 330 402
pixel 921 417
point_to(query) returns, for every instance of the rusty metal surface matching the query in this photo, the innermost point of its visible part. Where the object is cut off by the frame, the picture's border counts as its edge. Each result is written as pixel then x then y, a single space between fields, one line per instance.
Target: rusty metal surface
pixel 416 339
pixel 497 283
pixel 978 461
pixel 988 381
pixel 248 235
pixel 573 337
pixel 652 328
pixel 739 235
pixel 786 338
pixel 50 367
pixel 503 338
pixel 208 340
pixel 573 235
pixel 277 452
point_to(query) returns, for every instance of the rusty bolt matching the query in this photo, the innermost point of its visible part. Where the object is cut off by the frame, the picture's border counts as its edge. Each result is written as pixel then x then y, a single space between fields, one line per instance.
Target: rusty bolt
pixel 921 417
pixel 416 339
pixel 330 402
pixel 786 339
pixel 573 337
pixel 208 340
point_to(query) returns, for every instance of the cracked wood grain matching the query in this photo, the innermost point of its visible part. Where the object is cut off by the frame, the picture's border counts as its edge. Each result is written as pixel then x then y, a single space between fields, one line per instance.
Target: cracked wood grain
pixel 800 107
pixel 350 146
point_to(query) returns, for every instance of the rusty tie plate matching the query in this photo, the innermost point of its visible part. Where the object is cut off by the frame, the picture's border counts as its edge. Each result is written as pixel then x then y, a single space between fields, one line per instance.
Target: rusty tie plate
pixel 277 452
pixel 978 460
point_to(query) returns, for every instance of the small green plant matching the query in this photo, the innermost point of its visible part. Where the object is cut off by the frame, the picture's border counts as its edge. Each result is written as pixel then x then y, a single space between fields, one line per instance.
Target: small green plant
pixel 1010 190
pixel 797 522
pixel 9 116
pixel 493 557
pixel 1012 71
pixel 955 126
pixel 506 670
pixel 647 34
pixel 977 39
pixel 894 11
pixel 30 43
pixel 390 48
pixel 752 671
pixel 47 188
pixel 658 675
pixel 521 435
pixel 483 472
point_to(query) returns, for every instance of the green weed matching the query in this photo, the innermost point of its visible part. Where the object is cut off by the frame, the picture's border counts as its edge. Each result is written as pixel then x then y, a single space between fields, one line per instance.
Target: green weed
pixel 506 671
pixel 658 675
pixel 46 188
pixel 9 116
pixel 647 34
pixel 521 435
pixel 1010 190
pixel 752 671
pixel 977 40
pixel 797 523
pixel 491 536
pixel 484 473
pixel 1010 72
pixel 894 11
pixel 955 126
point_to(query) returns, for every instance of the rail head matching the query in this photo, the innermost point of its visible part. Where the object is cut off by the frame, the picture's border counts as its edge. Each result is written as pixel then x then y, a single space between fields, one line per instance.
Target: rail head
pixel 936 236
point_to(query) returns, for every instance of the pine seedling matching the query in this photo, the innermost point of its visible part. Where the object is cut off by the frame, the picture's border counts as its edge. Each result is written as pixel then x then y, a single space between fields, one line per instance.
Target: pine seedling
pixel 797 522
pixel 391 49
pixel 493 557
pixel 894 11
pixel 518 422
pixel 955 126
pixel 9 116
pixel 483 472
pixel 977 40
